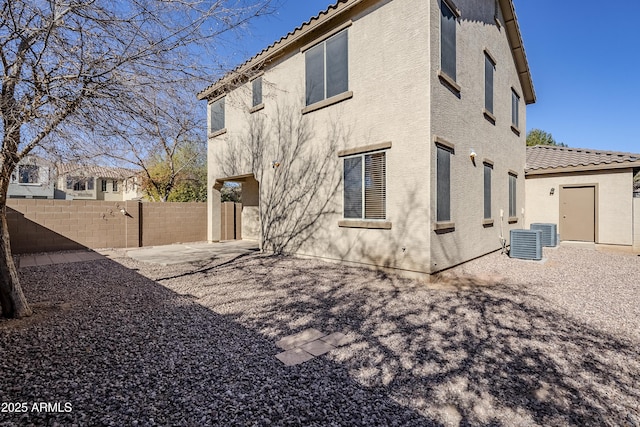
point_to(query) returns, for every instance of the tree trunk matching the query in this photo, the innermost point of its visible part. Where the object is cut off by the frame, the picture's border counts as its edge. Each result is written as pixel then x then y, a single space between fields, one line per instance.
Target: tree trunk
pixel 12 300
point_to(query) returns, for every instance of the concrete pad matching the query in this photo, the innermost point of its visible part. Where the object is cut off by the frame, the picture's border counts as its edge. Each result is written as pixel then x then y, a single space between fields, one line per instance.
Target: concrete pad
pixel 294 357
pixel 296 340
pixel 88 256
pixel 27 260
pixel 581 245
pixel 58 258
pixel 43 259
pixel 335 339
pixel 317 347
pixel 191 252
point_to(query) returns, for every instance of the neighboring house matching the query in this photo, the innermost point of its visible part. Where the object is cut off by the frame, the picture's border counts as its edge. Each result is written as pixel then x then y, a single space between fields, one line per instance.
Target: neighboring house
pixel 33 178
pixel 88 182
pixel 588 193
pixel 388 133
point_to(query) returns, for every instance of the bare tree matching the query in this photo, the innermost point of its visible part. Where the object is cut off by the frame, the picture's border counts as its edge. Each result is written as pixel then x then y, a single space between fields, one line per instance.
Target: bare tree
pixel 297 171
pixel 68 64
pixel 158 134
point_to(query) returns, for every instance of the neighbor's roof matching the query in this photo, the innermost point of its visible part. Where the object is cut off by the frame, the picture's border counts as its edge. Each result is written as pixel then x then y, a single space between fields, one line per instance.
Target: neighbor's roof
pixel 95 171
pixel 309 29
pixel 546 159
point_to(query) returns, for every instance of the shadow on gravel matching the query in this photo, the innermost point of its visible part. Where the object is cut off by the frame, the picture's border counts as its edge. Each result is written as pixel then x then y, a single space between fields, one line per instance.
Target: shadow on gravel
pixel 464 352
pixel 123 350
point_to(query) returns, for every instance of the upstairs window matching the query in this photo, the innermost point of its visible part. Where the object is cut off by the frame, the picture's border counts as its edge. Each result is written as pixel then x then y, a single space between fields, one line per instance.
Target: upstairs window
pixel 28 174
pixel 256 87
pixel 448 39
pixel 515 109
pixel 327 69
pixel 216 115
pixel 365 186
pixel 489 68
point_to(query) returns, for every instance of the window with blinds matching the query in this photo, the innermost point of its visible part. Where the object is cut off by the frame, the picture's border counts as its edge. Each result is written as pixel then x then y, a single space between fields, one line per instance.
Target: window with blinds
pixel 489 68
pixel 512 195
pixel 216 112
pixel 515 106
pixel 447 40
pixel 327 69
pixel 487 190
pixel 365 195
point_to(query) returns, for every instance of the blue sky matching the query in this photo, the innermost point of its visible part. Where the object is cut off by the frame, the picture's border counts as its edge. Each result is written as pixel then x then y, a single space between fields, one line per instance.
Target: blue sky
pixel 584 57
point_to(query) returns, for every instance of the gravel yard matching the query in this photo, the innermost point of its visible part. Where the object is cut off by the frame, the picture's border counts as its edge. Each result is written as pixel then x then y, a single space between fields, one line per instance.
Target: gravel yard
pixel 495 342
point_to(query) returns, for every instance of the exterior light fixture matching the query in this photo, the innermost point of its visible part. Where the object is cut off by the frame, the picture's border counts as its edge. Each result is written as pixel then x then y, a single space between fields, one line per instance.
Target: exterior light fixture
pixel 553 190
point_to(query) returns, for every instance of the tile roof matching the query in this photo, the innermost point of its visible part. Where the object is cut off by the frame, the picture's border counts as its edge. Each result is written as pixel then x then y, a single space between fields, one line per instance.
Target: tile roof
pixel 95 171
pixel 549 159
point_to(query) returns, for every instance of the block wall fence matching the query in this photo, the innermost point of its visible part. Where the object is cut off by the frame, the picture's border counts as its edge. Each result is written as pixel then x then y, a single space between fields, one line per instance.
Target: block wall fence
pixel 57 225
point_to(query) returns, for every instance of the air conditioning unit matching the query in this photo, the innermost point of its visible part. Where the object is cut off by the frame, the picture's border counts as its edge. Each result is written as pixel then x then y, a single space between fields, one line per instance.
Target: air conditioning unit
pixel 526 244
pixel 549 233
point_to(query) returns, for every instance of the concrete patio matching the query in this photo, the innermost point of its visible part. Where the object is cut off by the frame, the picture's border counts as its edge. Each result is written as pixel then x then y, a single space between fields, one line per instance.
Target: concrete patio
pixel 162 255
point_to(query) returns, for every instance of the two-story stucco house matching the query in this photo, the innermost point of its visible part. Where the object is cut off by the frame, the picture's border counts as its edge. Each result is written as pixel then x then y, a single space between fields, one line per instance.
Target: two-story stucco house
pixel 388 133
pixel 33 178
pixel 89 182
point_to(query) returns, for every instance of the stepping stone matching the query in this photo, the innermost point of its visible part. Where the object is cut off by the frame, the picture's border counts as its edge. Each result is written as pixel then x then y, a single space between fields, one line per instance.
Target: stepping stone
pixel 317 347
pixel 294 357
pixel 296 340
pixel 27 261
pixel 335 339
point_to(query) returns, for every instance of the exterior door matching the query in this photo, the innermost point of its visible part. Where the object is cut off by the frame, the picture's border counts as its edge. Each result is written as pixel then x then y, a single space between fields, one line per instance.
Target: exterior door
pixel 578 213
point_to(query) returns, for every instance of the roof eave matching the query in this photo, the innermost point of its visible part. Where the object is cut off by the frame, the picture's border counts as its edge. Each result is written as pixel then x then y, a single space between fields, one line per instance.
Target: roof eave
pixel 338 9
pixel 282 46
pixel 583 168
pixel 517 49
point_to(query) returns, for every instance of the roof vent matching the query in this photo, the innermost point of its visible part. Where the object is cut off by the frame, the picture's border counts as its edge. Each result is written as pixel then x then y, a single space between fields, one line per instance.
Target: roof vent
pixel 526 244
pixel 549 233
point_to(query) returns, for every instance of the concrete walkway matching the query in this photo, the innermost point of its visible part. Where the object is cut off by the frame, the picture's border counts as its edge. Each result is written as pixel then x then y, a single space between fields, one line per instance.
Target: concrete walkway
pixel 32 260
pixel 163 255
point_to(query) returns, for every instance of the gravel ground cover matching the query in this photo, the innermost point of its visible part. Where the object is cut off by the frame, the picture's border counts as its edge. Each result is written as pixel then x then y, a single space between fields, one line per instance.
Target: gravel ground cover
pixel 495 342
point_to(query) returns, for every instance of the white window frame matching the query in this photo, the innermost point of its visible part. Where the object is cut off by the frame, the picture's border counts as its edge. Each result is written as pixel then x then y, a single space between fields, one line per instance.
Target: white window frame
pixel 37 175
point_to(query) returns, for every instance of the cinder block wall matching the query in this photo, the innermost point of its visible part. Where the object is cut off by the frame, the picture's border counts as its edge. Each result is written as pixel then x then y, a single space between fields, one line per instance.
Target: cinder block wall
pixel 54 225
pixel 166 223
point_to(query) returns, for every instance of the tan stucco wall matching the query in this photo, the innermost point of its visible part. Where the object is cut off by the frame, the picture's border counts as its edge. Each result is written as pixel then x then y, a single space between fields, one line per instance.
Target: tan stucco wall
pixel 397 98
pixel 636 224
pixel 460 121
pixel 250 210
pixel 614 208
pixel 390 103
